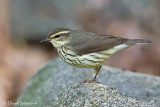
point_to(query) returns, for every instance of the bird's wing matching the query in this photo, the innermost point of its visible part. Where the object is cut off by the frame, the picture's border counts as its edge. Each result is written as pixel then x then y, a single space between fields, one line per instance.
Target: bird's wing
pixel 85 42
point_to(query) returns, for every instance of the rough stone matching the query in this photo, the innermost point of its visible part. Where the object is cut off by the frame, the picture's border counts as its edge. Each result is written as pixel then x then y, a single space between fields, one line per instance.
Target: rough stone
pixel 53 85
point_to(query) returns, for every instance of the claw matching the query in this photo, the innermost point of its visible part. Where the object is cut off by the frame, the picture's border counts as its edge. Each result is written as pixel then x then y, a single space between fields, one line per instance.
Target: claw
pixel 78 85
pixel 94 81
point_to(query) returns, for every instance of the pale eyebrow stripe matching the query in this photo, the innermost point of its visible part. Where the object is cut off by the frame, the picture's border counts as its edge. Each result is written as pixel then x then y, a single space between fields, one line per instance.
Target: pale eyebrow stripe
pixel 62 32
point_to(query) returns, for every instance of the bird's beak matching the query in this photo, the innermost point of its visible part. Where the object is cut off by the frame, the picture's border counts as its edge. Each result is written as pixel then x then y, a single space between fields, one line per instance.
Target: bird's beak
pixel 45 40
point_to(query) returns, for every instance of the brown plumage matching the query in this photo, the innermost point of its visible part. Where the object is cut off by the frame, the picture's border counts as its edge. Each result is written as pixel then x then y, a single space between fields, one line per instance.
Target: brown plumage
pixel 85 43
pixel 87 50
pixel 57 30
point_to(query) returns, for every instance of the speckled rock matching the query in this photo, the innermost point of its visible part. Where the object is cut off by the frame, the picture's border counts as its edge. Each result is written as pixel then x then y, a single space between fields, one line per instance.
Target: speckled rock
pixel 54 85
pixel 93 94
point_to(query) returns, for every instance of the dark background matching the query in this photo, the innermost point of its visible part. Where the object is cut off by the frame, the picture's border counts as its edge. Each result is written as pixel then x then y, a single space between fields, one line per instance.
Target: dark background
pixel 23 23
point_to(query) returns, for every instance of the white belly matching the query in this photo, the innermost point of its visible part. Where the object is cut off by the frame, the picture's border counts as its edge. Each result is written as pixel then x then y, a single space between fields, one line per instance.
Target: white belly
pixel 91 60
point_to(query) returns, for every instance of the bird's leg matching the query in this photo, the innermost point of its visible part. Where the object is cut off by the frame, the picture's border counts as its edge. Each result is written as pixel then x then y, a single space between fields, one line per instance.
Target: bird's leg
pixel 97 71
pixel 85 80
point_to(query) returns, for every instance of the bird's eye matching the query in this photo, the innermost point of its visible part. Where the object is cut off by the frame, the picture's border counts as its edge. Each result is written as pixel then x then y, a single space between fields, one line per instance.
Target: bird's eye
pixel 57 36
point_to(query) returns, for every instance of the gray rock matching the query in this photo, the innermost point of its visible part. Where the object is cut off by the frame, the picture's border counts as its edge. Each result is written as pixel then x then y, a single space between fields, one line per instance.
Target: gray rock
pixel 32 19
pixel 54 85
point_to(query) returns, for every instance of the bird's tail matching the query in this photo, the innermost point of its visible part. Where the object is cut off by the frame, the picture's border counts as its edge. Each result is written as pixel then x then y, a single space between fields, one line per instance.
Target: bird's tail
pixel 134 41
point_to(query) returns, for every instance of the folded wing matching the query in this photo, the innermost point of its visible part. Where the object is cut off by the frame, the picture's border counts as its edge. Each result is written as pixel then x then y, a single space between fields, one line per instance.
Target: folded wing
pixel 85 42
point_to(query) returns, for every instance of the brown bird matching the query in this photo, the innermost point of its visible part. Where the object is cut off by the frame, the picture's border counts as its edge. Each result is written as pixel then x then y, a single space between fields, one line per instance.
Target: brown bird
pixel 87 50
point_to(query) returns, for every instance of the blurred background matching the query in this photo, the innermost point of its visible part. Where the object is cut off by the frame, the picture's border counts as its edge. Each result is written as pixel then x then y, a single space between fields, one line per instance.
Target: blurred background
pixel 23 23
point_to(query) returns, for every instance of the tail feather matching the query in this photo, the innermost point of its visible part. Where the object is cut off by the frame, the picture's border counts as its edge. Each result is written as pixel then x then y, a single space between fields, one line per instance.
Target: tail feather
pixel 134 41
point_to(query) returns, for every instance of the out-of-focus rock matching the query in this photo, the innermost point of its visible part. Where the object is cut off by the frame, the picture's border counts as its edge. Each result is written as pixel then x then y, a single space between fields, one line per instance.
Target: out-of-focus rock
pixel 35 19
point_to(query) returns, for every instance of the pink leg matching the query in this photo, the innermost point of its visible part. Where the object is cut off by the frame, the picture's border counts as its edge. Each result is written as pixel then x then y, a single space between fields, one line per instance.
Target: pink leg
pixel 97 71
pixel 85 80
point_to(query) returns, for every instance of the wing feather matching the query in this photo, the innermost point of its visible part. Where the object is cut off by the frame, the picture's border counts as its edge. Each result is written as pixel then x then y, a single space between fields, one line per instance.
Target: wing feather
pixel 86 42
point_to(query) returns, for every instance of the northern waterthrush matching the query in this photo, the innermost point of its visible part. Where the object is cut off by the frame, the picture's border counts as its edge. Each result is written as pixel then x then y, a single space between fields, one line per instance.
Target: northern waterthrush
pixel 87 50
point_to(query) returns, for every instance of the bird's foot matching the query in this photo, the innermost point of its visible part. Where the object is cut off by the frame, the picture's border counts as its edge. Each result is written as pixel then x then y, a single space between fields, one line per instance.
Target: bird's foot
pixel 78 85
pixel 94 81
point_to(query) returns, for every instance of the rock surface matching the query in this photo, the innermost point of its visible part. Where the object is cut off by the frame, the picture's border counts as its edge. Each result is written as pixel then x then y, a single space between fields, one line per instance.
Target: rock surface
pixel 54 85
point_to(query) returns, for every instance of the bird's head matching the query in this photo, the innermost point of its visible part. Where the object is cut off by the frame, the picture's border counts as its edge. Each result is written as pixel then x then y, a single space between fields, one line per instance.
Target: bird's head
pixel 58 37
